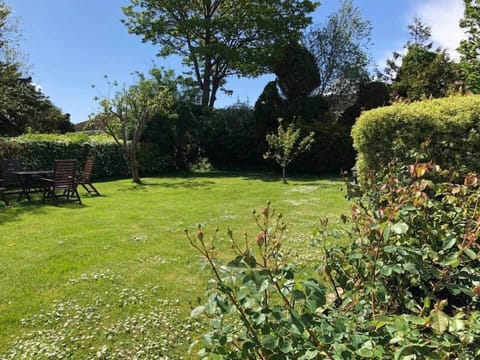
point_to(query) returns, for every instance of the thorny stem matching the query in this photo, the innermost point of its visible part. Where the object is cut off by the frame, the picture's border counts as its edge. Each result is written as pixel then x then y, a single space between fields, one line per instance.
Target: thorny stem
pixel 204 251
pixel 328 272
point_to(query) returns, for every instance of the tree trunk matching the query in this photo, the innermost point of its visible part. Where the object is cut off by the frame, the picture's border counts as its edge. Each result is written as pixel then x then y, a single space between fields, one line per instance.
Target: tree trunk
pixel 284 171
pixel 207 73
pixel 132 159
pixel 213 93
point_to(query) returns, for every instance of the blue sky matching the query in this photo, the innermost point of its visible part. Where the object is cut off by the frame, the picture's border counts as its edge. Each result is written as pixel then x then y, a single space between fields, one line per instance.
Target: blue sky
pixel 72 44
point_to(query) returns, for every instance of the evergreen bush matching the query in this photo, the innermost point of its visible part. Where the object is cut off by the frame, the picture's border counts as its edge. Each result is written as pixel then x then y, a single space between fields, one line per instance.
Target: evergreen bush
pixel 446 131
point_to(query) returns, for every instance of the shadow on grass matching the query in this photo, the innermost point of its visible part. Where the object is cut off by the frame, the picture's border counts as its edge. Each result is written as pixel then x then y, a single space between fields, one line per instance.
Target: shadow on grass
pixel 268 176
pixel 204 180
pixel 18 209
pixel 186 184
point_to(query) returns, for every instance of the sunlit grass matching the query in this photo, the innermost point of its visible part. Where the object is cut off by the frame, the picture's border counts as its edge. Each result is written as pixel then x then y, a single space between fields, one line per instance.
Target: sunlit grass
pixel 115 276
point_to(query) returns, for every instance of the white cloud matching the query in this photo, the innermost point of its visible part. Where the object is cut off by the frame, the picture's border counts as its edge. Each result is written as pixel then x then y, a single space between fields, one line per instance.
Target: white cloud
pixel 443 17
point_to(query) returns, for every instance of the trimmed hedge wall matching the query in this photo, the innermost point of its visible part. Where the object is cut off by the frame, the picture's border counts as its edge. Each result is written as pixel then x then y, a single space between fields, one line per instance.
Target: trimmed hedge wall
pixel 445 130
pixel 40 152
pixel 331 151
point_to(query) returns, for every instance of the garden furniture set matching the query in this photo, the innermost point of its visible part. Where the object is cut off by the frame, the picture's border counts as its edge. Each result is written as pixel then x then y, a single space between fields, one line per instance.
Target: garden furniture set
pixel 61 182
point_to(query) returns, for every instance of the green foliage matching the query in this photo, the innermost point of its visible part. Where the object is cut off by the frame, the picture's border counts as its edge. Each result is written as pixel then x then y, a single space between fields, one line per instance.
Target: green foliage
pixel 257 308
pixel 331 150
pixel 219 39
pixel 470 47
pixel 291 94
pixel 446 130
pixel 228 137
pixel 23 107
pixel 180 135
pixel 413 263
pixel 422 73
pixel 407 285
pixel 296 71
pixel 286 145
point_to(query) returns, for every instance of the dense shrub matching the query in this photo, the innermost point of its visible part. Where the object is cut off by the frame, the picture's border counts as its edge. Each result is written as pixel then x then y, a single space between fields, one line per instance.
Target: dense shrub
pixel 370 95
pixel 446 130
pixel 407 285
pixel 331 151
pixel 40 152
pixel 176 138
pixel 228 137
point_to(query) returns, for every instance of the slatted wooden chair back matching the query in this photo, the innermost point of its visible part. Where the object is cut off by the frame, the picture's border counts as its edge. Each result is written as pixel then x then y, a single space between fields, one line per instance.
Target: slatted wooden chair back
pixel 64 174
pixel 85 178
pixel 9 167
pixel 88 170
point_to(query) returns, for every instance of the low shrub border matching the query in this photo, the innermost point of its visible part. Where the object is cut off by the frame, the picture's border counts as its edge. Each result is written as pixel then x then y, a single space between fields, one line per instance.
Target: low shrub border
pixel 40 151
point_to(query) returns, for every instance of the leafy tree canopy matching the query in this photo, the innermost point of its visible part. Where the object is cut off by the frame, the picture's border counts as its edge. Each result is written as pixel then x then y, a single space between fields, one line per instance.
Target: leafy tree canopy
pixel 470 47
pixel 421 72
pixel 23 107
pixel 125 116
pixel 219 38
pixel 286 144
pixel 340 49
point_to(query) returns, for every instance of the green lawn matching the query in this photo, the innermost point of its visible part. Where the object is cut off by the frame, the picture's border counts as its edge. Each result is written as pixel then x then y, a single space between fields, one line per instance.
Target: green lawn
pixel 113 278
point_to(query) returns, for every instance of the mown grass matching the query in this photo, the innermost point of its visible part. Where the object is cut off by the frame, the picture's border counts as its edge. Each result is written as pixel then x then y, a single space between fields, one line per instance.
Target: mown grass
pixel 114 277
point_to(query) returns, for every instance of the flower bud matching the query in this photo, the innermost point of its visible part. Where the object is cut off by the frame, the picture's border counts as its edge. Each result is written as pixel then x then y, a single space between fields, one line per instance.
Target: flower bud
pixel 261 238
pixel 200 235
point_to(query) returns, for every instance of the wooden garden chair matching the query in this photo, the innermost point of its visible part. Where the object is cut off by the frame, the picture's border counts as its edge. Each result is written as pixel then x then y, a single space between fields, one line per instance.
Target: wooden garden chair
pixel 9 182
pixel 86 175
pixel 63 183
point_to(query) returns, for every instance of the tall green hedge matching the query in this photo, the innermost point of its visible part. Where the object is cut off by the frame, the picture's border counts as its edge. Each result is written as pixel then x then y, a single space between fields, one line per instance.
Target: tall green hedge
pixel 40 152
pixel 445 130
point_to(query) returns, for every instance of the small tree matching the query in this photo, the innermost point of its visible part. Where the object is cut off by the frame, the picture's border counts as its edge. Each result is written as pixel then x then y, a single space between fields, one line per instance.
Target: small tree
pixel 286 145
pixel 125 115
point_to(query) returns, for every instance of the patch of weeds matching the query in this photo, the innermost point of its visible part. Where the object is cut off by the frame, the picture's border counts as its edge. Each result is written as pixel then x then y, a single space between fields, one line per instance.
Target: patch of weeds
pixel 106 275
pixel 152 328
pixel 226 216
pixel 157 260
pixel 139 238
pixel 300 202
pixel 305 189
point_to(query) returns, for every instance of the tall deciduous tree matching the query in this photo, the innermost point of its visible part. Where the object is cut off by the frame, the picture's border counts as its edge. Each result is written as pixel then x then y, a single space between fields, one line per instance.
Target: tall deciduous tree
pixel 341 48
pixel 470 47
pixel 10 36
pixel 219 38
pixel 125 115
